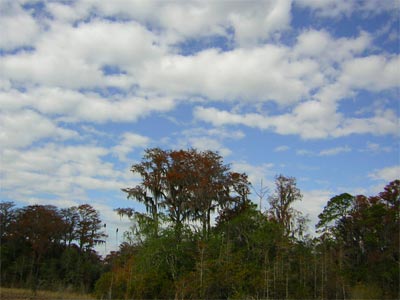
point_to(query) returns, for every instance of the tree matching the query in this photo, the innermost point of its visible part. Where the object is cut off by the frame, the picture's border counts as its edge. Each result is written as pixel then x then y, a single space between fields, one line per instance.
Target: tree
pixel 210 188
pixel 337 208
pixel 88 228
pixel 150 191
pixel 38 226
pixel 185 185
pixel 362 235
pixel 7 216
pixel 285 194
pixel 70 217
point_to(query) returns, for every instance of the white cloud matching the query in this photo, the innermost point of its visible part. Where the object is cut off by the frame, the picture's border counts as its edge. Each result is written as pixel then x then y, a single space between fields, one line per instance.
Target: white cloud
pixel 63 12
pixel 384 122
pixel 221 117
pixel 26 127
pixel 319 44
pixel 207 139
pixel 312 204
pixel 304 152
pixel 282 148
pixel 64 172
pixel 325 152
pixel 73 106
pixel 18 28
pixel 219 133
pixel 263 172
pixel 180 20
pixel 257 74
pixel 310 120
pixel 129 109
pixel 334 151
pixel 207 143
pixel 64 51
pixel 386 174
pixel 113 222
pixel 373 73
pixel 252 75
pixel 130 141
pixel 256 25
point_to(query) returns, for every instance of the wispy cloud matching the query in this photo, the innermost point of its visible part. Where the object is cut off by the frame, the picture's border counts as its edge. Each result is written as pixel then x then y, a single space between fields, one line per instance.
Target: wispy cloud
pixel 282 148
pixel 386 174
pixel 334 151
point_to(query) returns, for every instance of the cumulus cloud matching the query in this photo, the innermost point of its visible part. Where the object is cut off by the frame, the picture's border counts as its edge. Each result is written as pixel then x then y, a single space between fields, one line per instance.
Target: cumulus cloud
pixel 62 171
pixel 310 120
pixel 18 28
pixel 319 44
pixel 384 122
pixel 181 20
pixel 374 72
pixel 250 75
pixel 26 127
pixel 74 106
pixel 65 51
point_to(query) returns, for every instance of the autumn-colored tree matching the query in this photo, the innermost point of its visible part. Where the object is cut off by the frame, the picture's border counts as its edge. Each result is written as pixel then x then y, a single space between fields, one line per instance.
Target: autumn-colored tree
pixel 89 227
pixel 40 247
pixel 210 188
pixel 39 227
pixel 185 185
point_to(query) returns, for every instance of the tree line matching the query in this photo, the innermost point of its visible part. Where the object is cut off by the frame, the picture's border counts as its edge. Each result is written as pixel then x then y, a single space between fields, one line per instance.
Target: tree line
pixel 45 247
pixel 201 237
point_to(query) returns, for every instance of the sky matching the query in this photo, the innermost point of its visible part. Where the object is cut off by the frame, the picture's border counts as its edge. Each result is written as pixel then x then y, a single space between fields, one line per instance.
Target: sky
pixel 308 89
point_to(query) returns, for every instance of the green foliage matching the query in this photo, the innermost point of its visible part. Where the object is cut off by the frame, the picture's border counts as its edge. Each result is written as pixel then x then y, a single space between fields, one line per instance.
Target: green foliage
pixel 338 207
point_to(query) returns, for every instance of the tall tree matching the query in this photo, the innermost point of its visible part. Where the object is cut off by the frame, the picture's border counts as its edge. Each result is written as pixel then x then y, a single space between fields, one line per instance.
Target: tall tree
pixel 185 185
pixel 364 240
pixel 151 189
pixel 39 227
pixel 7 216
pixel 285 194
pixel 210 188
pixel 88 227
pixel 70 217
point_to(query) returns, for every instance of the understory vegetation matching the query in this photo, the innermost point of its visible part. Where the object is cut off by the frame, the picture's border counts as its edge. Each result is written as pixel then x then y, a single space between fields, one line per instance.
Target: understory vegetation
pixel 201 237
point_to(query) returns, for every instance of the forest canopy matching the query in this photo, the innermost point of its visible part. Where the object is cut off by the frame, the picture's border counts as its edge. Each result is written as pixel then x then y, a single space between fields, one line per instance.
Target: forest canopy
pixel 202 237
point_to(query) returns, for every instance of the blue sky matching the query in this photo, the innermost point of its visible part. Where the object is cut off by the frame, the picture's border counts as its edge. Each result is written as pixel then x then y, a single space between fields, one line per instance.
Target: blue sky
pixel 303 88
